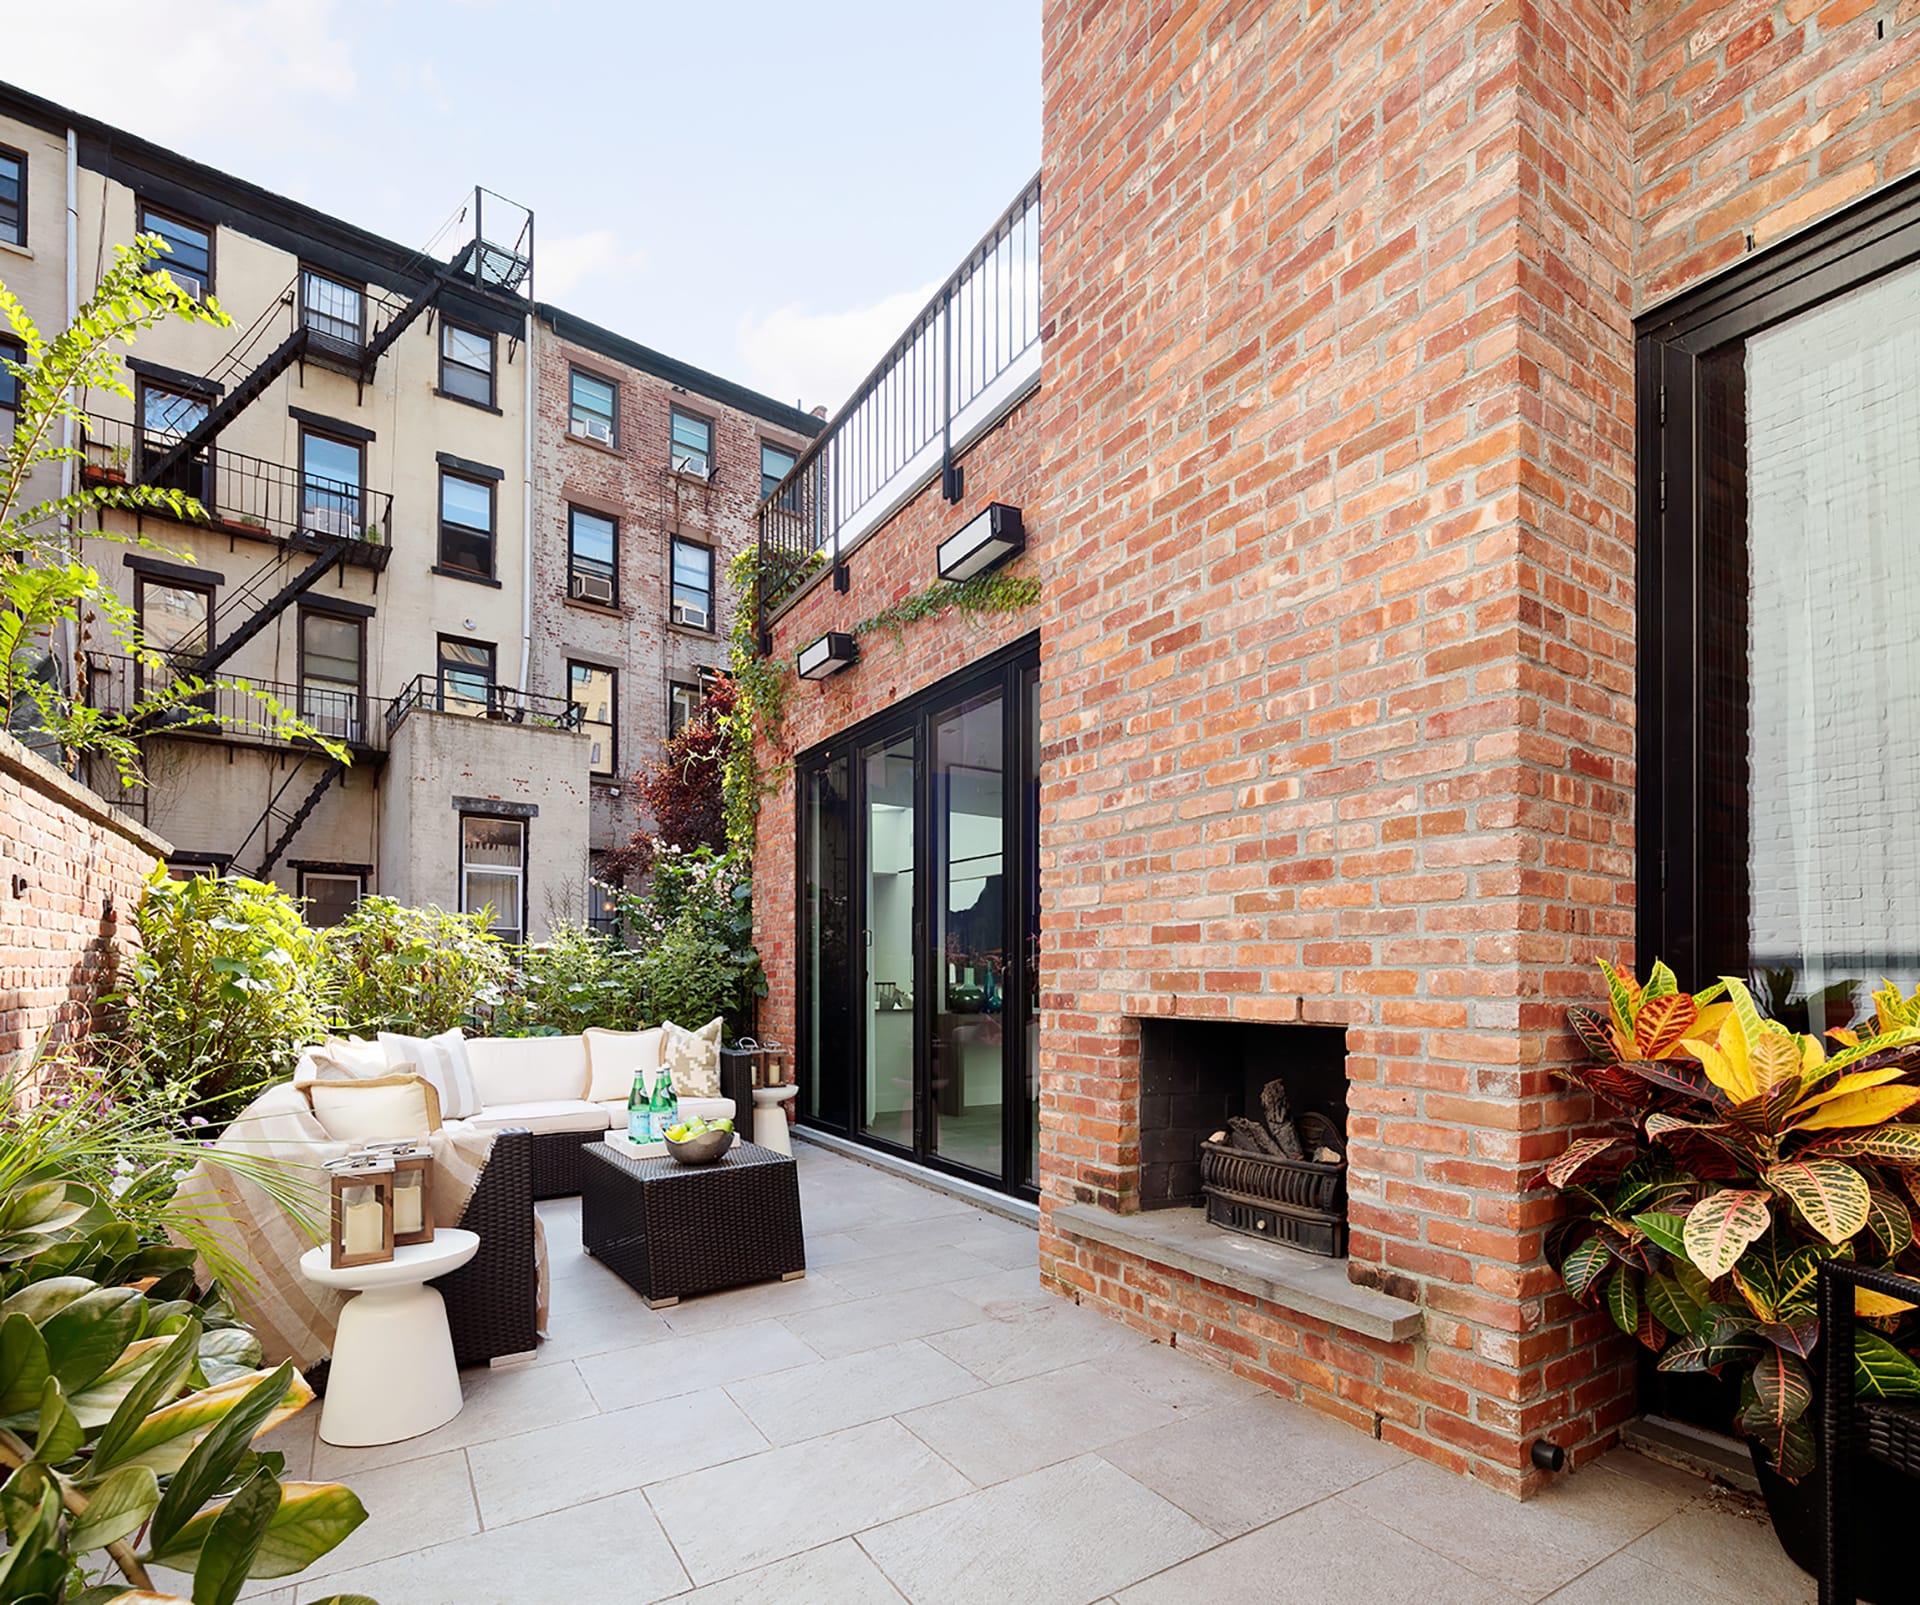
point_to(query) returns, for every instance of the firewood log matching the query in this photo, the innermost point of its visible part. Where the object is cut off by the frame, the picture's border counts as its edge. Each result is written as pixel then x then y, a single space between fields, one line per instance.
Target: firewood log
pixel 1252 1136
pixel 1273 1104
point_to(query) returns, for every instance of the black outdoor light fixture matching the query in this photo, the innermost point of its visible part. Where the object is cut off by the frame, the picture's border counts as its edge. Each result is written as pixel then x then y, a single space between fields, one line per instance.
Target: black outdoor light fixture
pixel 830 654
pixel 985 541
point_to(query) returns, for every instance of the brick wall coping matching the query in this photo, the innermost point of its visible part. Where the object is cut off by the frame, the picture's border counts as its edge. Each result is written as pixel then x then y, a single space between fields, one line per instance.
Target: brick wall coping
pixel 35 772
pixel 1316 1288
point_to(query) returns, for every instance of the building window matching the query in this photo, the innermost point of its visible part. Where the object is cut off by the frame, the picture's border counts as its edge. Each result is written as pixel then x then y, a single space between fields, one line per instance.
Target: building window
pixel 692 448
pixel 602 914
pixel 13 196
pixel 11 351
pixel 332 673
pixel 493 872
pixel 334 310
pixel 331 473
pixel 466 671
pixel 466 364
pixel 466 524
pixel 776 462
pixel 594 688
pixel 1777 587
pixel 692 584
pixel 176 620
pixel 593 408
pixel 593 546
pixel 166 415
pixel 189 259
pixel 683 702
pixel 330 896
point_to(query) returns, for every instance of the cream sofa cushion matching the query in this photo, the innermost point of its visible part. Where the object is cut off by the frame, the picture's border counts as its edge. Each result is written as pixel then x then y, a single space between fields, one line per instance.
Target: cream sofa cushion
pixel 527 1069
pixel 614 1058
pixel 378 1109
pixel 341 1059
pixel 554 1114
pixel 693 1058
pixel 441 1060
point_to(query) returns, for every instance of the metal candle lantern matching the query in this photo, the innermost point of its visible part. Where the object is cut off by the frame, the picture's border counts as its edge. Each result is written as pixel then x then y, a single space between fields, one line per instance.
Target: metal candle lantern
pixel 362 1210
pixel 412 1189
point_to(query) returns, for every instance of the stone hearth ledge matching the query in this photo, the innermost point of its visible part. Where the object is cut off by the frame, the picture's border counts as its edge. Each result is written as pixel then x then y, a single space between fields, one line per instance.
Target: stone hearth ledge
pixel 1302 1283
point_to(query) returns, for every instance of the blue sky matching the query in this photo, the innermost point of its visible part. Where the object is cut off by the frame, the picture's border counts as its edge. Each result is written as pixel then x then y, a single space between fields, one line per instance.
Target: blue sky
pixel 766 190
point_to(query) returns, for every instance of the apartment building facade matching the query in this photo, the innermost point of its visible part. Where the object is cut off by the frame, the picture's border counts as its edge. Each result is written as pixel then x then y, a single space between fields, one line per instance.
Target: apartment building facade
pixel 650 473
pixel 397 540
pixel 1469 490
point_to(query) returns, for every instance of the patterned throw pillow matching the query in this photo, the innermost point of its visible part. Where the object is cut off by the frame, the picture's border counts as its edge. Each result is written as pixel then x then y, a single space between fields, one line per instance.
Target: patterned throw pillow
pixel 692 1058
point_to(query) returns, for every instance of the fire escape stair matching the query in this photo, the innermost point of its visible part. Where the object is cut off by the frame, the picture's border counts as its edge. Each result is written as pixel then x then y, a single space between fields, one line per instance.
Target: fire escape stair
pixel 383 341
pixel 230 406
pixel 334 770
pixel 271 609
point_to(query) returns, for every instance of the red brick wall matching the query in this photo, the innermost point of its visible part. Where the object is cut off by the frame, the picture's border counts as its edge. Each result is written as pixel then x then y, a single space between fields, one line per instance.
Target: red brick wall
pixel 74 871
pixel 1757 117
pixel 894 562
pixel 653 504
pixel 1338 636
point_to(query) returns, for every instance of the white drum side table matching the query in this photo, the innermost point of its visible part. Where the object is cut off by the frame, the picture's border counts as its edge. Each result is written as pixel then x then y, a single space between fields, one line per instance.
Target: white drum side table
pixel 770 1119
pixel 393 1375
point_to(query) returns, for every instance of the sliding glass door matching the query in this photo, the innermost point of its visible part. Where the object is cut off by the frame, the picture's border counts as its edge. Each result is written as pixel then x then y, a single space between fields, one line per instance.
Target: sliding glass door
pixel 919 927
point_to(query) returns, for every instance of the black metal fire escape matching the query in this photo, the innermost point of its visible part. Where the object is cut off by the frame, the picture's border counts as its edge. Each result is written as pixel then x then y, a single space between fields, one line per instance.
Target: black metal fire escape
pixel 290 823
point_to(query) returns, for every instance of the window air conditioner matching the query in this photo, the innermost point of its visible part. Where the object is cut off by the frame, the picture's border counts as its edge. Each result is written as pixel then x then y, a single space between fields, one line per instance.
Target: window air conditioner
pixel 593 588
pixel 694 617
pixel 689 465
pixel 596 429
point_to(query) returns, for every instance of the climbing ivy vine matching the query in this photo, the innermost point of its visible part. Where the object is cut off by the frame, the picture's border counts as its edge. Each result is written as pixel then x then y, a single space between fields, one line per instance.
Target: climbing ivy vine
pixel 994 592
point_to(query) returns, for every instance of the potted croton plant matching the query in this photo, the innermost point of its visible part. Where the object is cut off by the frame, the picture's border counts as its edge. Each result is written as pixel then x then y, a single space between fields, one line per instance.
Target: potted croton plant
pixel 1747 1153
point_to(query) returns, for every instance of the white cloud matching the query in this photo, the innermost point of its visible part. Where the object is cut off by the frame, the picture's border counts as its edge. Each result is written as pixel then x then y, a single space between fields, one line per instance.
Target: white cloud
pixel 219 62
pixel 564 263
pixel 820 356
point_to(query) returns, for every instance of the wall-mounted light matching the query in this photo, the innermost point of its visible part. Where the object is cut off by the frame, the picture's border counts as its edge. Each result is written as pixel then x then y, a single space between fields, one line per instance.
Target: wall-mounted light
pixel 830 654
pixel 988 539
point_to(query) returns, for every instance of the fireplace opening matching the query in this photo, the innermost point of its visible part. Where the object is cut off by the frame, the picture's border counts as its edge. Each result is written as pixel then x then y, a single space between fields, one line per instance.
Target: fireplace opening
pixel 1248 1122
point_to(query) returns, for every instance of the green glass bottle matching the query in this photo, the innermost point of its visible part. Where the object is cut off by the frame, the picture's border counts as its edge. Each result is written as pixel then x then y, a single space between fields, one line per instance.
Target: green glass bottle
pixel 664 1108
pixel 637 1111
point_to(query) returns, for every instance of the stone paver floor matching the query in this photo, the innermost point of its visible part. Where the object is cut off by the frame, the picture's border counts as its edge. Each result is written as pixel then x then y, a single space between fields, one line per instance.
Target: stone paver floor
pixel 917 1420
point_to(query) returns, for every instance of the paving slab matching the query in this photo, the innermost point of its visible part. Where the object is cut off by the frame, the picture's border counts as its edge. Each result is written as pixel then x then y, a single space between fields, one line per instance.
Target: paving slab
pixel 810 1401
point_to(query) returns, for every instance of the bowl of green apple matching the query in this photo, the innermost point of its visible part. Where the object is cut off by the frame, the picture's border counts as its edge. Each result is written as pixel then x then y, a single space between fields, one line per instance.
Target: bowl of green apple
pixel 699 1142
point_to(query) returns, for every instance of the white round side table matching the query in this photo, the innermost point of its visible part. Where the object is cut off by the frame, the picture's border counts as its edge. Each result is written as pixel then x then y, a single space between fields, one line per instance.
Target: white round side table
pixel 393 1374
pixel 770 1120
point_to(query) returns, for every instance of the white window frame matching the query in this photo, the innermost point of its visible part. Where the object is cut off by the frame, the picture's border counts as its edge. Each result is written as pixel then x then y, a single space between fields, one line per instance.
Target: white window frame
pixel 519 926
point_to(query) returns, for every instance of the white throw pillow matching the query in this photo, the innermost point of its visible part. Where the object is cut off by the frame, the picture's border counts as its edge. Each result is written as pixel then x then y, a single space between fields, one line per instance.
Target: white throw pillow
pixel 442 1060
pixel 341 1059
pixel 693 1058
pixel 383 1109
pixel 614 1058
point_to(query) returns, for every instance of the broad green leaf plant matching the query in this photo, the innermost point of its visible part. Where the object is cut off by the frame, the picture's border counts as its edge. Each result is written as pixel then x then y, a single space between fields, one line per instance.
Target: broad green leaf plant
pixel 130 1409
pixel 47 590
pixel 1754 1151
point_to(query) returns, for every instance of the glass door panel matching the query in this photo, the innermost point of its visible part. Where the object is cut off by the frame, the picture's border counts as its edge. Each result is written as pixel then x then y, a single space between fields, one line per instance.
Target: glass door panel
pixel 967 1091
pixel 826 929
pixel 892 953
pixel 1029 929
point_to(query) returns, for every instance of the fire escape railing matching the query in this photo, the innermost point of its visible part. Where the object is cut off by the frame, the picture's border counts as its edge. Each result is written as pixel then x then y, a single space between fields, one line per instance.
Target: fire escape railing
pixel 118 684
pixel 969 354
pixel 506 704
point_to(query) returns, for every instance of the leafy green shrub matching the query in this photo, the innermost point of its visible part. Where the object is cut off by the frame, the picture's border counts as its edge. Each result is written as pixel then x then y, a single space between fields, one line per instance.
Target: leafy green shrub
pixel 576 978
pixel 416 970
pixel 227 988
pixel 130 1401
pixel 694 928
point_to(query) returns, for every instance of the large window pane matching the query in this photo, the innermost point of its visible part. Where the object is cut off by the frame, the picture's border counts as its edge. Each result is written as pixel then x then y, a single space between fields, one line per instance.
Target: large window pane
pixel 1810 666
pixel 330 479
pixel 826 932
pixel 592 574
pixel 332 310
pixel 13 197
pixel 493 871
pixel 692 446
pixel 891 946
pixel 466 364
pixel 970 914
pixel 330 651
pixel 466 524
pixel 692 584
pixel 593 688
pixel 188 260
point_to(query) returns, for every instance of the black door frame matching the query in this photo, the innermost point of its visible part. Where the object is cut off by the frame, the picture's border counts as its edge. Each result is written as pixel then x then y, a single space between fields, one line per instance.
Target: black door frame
pixel 1005 671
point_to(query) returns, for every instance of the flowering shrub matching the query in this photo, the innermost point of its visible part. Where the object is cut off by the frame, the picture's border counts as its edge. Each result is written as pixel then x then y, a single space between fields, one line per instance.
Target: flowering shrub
pixel 415 970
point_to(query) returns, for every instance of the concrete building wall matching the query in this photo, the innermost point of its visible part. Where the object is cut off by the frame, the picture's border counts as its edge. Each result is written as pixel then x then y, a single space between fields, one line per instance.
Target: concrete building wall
pixel 75 871
pixel 633 482
pixel 443 764
pixel 36 272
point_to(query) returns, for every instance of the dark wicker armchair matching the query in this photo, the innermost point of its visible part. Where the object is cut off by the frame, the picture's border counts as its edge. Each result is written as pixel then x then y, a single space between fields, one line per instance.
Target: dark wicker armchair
pixel 1852 1427
pixel 492 1299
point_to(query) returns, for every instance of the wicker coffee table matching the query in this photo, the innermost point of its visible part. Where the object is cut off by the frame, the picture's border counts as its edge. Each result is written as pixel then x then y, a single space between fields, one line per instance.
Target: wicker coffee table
pixel 669 1230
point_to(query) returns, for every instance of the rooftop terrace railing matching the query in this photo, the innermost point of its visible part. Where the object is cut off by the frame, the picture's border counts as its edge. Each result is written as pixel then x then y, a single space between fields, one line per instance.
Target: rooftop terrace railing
pixel 466 694
pixel 969 354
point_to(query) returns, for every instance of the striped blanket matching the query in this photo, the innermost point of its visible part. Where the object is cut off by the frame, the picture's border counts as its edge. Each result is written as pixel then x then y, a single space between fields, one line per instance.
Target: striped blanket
pixel 294 1318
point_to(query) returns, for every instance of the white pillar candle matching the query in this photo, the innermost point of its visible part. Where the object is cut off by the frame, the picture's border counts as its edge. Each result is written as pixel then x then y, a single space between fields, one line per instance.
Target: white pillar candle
pixel 406 1209
pixel 360 1227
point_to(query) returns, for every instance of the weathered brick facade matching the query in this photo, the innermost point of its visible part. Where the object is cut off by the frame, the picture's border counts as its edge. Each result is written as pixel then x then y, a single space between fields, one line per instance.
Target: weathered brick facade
pixel 74 870
pixel 1330 486
pixel 632 482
